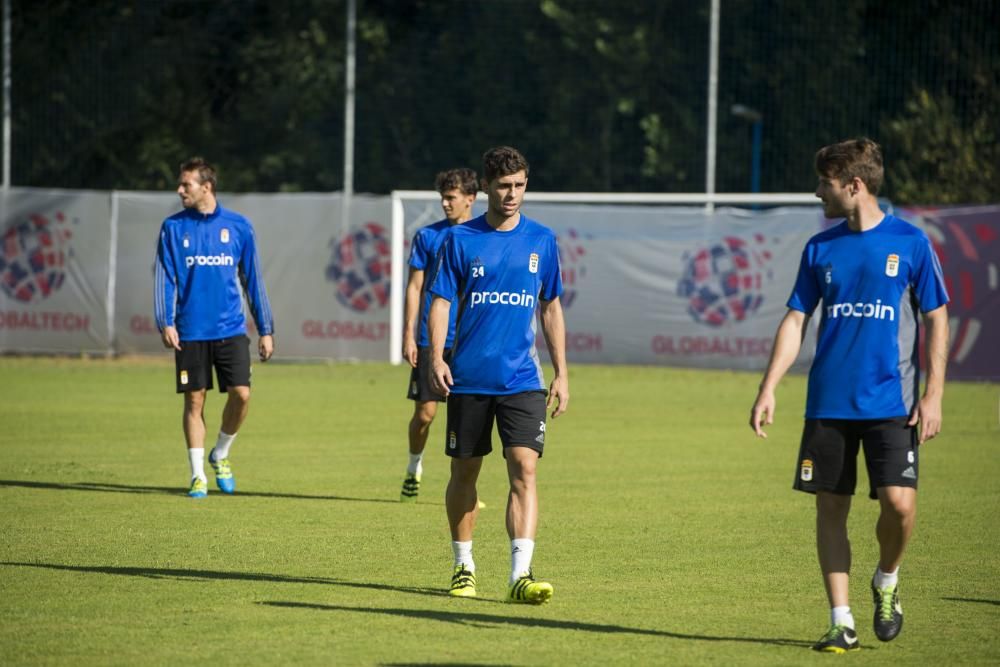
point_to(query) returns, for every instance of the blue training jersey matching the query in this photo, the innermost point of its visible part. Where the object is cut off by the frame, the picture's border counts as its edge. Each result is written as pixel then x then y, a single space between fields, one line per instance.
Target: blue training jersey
pixel 424 249
pixel 872 284
pixel 494 281
pixel 204 262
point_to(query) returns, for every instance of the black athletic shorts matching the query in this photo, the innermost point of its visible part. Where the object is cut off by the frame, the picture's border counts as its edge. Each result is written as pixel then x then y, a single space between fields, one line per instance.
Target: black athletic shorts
pixel 829 453
pixel 229 356
pixel 520 421
pixel 420 377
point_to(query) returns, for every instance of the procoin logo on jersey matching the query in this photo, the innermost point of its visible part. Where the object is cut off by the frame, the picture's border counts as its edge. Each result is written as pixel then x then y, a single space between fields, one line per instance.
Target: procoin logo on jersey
pixel 209 260
pixel 224 235
pixel 806 470
pixel 533 262
pixel 892 266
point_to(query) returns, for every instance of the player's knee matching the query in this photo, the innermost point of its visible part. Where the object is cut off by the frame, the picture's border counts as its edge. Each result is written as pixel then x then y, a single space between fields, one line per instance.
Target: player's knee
pixel 239 394
pixel 832 506
pixel 898 503
pixel 424 414
pixel 194 401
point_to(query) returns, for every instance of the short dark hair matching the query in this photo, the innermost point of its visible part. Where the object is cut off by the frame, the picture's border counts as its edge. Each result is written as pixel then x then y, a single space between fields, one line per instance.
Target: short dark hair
pixel 462 178
pixel 206 172
pixel 845 160
pixel 503 161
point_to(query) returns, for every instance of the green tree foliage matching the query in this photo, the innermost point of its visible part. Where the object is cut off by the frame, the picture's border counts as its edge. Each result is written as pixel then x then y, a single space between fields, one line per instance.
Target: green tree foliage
pixel 600 96
pixel 946 161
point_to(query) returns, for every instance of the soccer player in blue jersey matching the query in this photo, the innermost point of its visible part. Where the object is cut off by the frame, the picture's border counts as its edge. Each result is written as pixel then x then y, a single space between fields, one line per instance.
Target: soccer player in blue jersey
pixel 875 275
pixel 205 260
pixel 458 188
pixel 497 272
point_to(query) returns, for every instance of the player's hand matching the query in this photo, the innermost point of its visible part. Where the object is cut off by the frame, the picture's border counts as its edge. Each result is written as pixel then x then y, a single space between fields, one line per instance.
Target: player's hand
pixel 762 412
pixel 558 396
pixel 928 414
pixel 171 338
pixel 410 351
pixel 441 379
pixel 265 347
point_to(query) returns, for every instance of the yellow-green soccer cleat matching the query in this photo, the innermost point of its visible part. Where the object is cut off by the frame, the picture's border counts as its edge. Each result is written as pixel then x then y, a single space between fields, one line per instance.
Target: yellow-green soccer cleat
pixel 411 489
pixel 223 473
pixel 199 488
pixel 838 639
pixel 463 583
pixel 528 591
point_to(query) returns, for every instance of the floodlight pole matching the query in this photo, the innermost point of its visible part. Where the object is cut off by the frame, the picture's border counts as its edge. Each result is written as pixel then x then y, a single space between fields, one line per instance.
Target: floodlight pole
pixel 757 118
pixel 6 95
pixel 345 208
pixel 713 104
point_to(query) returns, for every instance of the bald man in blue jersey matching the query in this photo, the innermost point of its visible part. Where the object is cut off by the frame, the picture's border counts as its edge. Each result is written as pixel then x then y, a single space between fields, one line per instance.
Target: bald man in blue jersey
pixel 498 271
pixel 875 275
pixel 206 259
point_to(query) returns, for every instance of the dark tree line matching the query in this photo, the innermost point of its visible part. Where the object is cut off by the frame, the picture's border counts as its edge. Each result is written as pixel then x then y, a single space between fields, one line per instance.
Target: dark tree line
pixel 600 96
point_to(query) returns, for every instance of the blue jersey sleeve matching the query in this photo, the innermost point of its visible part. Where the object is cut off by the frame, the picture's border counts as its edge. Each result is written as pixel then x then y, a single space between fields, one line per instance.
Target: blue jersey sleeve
pixel 928 279
pixel 806 293
pixel 447 271
pixel 164 282
pixel 253 283
pixel 552 281
pixel 419 253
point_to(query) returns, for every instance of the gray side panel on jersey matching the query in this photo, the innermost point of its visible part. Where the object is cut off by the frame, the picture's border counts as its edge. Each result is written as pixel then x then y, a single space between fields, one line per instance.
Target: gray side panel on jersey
pixel 534 351
pixel 909 354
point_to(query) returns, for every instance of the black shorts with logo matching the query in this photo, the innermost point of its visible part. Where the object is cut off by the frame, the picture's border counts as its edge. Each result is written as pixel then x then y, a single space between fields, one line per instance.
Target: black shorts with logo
pixel 829 453
pixel 520 420
pixel 229 356
pixel 420 378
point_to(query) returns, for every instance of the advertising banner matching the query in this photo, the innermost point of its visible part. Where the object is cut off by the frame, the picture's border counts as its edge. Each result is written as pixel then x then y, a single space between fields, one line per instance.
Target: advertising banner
pixel 55 250
pixel 328 288
pixel 676 286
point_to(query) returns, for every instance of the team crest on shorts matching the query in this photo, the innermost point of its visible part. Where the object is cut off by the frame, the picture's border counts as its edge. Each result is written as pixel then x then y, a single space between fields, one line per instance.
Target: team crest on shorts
pixel 224 235
pixel 452 440
pixel 892 266
pixel 184 377
pixel 806 471
pixel 533 262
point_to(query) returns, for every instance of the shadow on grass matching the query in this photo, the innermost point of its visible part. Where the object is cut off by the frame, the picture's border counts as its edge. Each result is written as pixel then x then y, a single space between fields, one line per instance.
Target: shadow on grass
pixel 492 620
pixel 178 491
pixel 995 603
pixel 181 574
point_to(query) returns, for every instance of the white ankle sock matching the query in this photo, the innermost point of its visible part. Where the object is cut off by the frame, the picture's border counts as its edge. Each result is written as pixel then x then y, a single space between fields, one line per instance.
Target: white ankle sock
pixel 842 616
pixel 884 579
pixel 521 551
pixel 415 468
pixel 222 445
pixel 196 457
pixel 463 555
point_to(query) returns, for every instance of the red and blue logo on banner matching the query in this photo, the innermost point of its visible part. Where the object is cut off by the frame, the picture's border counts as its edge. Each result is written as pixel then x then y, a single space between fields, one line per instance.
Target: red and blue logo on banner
pixel 725 281
pixel 361 268
pixel 33 257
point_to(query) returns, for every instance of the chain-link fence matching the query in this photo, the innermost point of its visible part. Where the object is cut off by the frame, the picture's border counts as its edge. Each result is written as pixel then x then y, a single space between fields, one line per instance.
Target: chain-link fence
pixel 600 96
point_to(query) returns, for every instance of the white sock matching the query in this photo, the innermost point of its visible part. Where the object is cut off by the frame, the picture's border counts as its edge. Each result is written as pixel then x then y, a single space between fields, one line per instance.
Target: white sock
pixel 842 616
pixel 521 551
pixel 197 459
pixel 463 555
pixel 884 579
pixel 222 445
pixel 415 468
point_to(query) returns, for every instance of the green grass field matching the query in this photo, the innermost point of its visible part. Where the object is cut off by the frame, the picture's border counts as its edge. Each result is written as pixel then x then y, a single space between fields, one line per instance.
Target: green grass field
pixel 671 534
